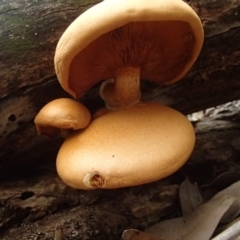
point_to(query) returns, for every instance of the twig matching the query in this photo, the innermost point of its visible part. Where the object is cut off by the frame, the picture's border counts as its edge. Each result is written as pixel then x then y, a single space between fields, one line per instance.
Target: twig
pixel 58 233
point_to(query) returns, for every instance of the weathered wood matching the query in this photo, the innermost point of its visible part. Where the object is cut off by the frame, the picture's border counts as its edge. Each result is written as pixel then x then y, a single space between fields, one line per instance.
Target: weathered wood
pixel 28 37
pixel 36 202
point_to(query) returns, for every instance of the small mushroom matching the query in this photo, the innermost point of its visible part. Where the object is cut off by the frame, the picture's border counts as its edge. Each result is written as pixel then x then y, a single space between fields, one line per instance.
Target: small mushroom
pixel 137 145
pixel 122 40
pixel 61 115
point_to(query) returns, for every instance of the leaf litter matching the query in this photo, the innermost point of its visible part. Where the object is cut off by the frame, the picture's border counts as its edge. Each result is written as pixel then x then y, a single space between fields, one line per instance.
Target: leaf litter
pixel 200 220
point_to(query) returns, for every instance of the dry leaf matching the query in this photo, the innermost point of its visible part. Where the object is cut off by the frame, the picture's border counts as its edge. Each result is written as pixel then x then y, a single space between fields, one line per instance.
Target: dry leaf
pixel 233 212
pixel 198 225
pixel 190 197
pixel 230 233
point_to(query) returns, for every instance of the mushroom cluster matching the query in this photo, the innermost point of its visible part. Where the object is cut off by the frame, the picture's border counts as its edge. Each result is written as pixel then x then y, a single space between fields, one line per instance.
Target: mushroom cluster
pixel 130 142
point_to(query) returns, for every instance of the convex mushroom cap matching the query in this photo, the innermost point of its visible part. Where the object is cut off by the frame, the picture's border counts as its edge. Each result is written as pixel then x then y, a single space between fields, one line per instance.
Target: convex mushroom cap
pixel 140 144
pixel 162 38
pixel 61 114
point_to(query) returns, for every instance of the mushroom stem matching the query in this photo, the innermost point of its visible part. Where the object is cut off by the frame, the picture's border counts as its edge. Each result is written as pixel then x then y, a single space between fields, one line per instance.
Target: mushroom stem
pixel 124 90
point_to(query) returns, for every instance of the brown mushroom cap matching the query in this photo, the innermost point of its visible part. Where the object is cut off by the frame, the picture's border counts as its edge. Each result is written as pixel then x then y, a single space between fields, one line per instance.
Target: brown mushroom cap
pixel 162 37
pixel 128 147
pixel 59 114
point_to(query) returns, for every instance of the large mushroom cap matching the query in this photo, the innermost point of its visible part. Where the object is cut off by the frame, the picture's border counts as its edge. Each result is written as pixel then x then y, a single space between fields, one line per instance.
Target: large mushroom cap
pixel 161 37
pixel 140 144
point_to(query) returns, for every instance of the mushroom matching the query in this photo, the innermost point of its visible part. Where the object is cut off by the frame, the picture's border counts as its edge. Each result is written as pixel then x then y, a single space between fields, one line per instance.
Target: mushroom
pixel 100 112
pixel 60 116
pixel 122 40
pixel 132 146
